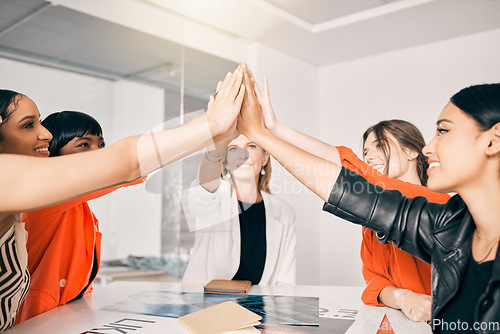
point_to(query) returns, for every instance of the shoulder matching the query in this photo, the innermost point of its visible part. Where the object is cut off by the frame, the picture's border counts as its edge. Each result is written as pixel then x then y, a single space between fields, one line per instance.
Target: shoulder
pixel 277 206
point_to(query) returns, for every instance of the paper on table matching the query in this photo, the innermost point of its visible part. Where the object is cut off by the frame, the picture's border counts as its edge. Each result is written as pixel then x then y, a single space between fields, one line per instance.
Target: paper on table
pixel 367 320
pixel 402 325
pixel 220 318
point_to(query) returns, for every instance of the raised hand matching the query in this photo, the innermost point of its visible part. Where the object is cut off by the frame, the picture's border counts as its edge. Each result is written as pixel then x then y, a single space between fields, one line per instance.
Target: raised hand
pixel 251 119
pixel 416 306
pixel 265 102
pixel 223 111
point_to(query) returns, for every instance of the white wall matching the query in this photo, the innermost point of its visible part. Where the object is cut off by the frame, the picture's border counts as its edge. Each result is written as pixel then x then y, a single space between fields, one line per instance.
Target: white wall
pixel 412 84
pixel 293 86
pixel 129 218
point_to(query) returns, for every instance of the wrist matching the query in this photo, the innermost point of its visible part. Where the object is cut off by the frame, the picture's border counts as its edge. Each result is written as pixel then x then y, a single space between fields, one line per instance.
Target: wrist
pixel 256 134
pixel 276 128
pixel 402 295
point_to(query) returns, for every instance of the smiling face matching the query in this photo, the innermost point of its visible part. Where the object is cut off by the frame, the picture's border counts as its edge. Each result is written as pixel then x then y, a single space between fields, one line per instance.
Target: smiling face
pixel 83 144
pixel 398 163
pixel 456 154
pixel 245 159
pixel 22 132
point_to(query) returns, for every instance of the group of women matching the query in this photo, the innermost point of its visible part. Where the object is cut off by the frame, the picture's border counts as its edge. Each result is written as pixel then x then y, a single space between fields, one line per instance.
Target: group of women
pixel 407 228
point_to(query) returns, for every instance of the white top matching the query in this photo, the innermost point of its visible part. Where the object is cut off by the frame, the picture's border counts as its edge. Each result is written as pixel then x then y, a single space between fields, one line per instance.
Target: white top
pixel 217 246
pixel 14 275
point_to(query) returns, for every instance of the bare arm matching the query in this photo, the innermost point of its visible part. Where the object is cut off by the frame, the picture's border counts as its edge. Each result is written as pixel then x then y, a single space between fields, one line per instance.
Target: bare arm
pixel 30 183
pixel 318 174
pixel 288 134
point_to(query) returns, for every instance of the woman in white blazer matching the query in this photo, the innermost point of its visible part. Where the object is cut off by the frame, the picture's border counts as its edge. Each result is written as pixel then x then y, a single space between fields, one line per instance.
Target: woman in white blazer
pixel 229 244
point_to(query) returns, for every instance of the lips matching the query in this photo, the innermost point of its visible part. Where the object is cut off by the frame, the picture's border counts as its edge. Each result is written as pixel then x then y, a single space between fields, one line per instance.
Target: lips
pixel 379 168
pixel 433 164
pixel 43 150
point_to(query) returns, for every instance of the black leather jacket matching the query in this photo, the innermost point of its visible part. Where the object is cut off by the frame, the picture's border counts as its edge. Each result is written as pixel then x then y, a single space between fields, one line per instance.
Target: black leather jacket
pixel 440 234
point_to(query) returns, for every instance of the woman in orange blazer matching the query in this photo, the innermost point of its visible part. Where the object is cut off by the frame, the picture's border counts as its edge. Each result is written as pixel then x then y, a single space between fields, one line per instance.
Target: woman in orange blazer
pixel 64 241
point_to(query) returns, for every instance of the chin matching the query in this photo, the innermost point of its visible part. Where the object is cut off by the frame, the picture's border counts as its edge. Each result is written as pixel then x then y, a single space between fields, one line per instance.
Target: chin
pixel 438 187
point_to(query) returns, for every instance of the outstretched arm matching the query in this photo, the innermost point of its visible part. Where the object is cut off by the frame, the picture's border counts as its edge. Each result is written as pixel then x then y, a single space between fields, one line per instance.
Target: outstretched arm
pixel 288 134
pixel 318 174
pixel 29 183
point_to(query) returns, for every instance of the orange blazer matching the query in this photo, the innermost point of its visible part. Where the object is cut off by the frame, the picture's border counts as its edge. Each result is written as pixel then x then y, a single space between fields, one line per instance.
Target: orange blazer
pixel 387 265
pixel 61 243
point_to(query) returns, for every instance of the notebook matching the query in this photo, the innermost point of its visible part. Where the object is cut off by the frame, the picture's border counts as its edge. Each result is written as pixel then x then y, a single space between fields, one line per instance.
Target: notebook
pixel 228 287
pixel 227 317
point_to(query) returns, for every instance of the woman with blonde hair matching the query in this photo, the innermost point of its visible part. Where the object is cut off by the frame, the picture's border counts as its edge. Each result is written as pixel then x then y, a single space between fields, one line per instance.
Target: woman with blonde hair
pixel 242 231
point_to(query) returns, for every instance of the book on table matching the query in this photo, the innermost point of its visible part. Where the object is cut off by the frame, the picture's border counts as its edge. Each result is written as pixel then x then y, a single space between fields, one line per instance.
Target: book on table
pixel 233 287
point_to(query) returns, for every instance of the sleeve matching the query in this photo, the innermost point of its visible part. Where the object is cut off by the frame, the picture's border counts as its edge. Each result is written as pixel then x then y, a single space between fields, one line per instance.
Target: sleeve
pixel 352 162
pixel 408 223
pixel 208 208
pixel 56 209
pixel 375 282
pixel 288 267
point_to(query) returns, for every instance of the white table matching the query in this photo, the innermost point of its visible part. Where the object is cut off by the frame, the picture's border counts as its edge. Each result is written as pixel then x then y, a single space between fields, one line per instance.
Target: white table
pixel 86 316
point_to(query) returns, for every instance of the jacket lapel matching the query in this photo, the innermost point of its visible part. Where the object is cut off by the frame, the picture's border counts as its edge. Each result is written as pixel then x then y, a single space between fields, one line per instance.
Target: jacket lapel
pixel 274 232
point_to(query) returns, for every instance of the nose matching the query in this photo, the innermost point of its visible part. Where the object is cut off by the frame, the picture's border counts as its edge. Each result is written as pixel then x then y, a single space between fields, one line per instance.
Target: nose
pixel 44 134
pixel 368 157
pixel 428 149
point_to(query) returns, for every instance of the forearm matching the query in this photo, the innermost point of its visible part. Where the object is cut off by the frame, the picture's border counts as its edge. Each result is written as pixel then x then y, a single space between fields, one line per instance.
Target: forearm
pixel 34 183
pixel 317 174
pixel 307 143
pixel 211 167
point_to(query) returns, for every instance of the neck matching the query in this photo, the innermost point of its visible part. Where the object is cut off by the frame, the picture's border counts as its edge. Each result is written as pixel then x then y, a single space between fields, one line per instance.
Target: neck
pixel 482 201
pixel 247 190
pixel 411 177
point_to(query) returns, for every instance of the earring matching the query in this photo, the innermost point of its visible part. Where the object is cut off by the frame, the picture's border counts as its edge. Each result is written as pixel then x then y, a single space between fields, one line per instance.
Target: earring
pixel 262 172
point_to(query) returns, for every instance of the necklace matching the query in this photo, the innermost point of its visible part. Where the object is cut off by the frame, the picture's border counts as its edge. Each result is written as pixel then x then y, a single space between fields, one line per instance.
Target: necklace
pixel 491 248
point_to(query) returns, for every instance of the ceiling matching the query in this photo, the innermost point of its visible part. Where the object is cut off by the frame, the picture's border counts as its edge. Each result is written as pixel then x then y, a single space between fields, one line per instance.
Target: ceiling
pixel 37 32
pixel 324 32
pixel 320 32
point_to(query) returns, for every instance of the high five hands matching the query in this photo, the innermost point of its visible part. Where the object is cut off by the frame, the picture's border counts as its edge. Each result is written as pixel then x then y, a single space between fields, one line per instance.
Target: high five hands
pixel 238 107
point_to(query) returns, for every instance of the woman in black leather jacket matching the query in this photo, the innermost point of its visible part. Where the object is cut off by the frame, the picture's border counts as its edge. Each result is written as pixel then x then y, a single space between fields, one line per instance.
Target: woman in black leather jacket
pixel 459 238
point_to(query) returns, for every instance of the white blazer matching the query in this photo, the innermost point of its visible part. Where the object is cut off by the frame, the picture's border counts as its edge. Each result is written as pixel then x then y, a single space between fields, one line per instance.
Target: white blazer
pixel 217 245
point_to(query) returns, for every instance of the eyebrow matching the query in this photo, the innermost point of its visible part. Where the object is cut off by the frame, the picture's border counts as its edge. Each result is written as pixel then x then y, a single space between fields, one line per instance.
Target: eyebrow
pixel 26 117
pixel 443 120
pixel 88 138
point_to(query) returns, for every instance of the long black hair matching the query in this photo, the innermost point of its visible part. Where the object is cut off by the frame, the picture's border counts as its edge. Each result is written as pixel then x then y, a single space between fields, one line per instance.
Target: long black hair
pixel 481 102
pixel 66 125
pixel 8 104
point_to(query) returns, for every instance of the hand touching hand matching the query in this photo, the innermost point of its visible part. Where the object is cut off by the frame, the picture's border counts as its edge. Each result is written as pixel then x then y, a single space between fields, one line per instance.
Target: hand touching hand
pixel 250 120
pixel 416 306
pixel 265 102
pixel 223 111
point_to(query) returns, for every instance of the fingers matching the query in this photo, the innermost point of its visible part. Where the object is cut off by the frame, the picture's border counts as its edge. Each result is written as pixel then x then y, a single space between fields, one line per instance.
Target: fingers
pixel 217 88
pixel 241 94
pixel 211 100
pixel 230 81
pixel 265 85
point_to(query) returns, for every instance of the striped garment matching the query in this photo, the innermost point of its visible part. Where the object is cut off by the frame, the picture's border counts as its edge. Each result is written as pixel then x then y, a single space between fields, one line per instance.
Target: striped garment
pixel 14 274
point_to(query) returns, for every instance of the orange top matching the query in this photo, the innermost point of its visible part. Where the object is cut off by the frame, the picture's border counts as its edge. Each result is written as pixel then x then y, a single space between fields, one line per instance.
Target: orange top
pixel 387 265
pixel 61 243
